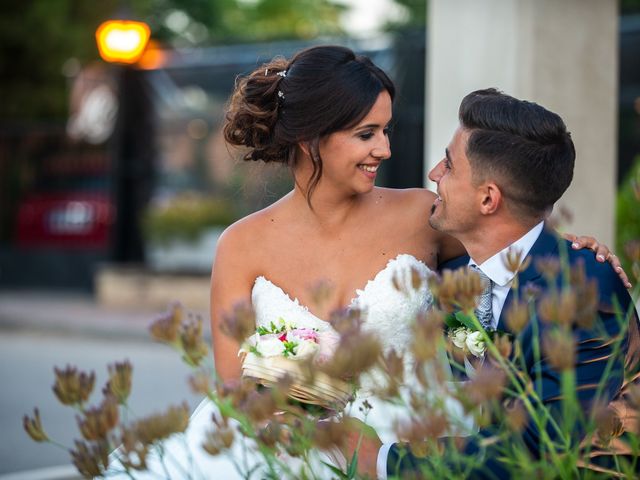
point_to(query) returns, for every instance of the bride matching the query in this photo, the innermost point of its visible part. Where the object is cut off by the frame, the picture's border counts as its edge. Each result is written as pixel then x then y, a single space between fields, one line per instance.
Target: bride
pixel 326 114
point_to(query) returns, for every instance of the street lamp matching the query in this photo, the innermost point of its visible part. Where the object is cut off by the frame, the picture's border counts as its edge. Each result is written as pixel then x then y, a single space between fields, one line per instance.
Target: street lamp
pixel 122 41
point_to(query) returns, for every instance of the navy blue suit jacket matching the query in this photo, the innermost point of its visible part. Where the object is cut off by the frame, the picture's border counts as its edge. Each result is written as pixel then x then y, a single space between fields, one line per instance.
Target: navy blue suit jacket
pixel 592 354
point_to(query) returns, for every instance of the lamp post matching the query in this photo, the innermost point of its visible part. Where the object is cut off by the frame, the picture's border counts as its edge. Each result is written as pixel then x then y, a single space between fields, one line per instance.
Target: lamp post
pixel 123 43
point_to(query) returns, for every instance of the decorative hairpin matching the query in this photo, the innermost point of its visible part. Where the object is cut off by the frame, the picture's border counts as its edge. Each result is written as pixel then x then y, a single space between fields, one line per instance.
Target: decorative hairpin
pixel 280 94
pixel 283 73
pixel 266 71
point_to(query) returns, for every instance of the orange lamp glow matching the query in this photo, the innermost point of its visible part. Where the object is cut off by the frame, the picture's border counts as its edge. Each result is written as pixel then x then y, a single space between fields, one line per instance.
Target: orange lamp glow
pixel 122 41
pixel 154 56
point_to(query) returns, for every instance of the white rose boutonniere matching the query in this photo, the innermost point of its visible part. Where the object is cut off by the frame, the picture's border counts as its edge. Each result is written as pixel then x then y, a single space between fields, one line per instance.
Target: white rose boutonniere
pixel 470 341
pixel 467 343
pixel 475 344
pixel 459 336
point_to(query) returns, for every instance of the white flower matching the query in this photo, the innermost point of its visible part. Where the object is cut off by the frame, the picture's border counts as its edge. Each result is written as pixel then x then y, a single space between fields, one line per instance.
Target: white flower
pixel 459 336
pixel 270 346
pixel 250 342
pixel 306 349
pixel 475 344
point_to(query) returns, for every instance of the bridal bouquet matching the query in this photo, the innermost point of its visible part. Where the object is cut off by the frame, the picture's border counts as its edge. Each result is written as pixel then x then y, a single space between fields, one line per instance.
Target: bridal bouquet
pixel 284 351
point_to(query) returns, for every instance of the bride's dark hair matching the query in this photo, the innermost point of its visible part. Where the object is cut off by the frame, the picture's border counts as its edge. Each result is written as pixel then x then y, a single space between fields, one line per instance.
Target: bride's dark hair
pixel 321 90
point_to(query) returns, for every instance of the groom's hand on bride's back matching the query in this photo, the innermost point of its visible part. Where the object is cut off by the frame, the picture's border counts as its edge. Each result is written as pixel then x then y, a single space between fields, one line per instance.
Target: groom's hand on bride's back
pixel 365 440
pixel 602 253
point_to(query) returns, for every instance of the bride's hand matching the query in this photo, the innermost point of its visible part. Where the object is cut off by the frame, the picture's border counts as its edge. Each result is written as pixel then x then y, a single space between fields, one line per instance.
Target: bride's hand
pixel 602 252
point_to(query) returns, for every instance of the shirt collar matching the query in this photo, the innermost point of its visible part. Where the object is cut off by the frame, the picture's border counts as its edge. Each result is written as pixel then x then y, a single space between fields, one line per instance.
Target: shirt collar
pixel 495 268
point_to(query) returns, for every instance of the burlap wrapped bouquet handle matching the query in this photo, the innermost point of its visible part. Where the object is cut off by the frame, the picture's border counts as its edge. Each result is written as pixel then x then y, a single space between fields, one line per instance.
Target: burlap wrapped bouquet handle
pixel 322 390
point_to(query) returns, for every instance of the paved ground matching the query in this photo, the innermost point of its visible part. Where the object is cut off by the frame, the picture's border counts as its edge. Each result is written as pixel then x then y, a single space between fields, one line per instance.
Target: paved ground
pixel 76 313
pixel 47 327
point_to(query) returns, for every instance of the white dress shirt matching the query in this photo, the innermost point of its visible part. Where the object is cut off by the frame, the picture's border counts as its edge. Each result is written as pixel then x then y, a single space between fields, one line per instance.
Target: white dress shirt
pixel 496 270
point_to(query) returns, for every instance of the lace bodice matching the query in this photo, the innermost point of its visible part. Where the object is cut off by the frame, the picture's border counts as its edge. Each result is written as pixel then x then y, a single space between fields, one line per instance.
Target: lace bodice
pixel 387 311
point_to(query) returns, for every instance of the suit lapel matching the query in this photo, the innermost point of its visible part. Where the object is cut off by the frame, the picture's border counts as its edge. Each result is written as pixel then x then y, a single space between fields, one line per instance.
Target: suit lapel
pixel 545 245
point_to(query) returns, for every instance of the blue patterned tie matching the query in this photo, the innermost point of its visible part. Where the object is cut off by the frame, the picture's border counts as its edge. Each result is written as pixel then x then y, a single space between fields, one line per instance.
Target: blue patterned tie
pixel 484 310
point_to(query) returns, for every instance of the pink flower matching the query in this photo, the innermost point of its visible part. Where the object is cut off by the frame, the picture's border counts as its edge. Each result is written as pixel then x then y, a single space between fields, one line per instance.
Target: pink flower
pixel 283 337
pixel 306 334
pixel 328 341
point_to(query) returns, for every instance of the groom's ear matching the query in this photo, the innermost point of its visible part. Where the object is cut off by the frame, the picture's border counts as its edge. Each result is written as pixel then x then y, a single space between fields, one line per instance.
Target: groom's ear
pixel 491 199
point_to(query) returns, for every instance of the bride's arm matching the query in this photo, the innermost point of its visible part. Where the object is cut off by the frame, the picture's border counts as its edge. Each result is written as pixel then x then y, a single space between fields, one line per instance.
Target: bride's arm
pixel 231 285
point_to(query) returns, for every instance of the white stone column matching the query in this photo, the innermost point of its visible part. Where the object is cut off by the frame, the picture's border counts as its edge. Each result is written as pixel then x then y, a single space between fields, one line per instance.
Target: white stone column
pixel 562 54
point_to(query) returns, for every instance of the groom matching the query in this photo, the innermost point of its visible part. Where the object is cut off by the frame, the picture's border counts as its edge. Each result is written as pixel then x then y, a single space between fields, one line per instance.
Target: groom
pixel 509 161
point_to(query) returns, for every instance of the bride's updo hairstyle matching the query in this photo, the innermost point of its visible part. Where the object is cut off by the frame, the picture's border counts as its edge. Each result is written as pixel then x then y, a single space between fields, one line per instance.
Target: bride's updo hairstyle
pixel 321 90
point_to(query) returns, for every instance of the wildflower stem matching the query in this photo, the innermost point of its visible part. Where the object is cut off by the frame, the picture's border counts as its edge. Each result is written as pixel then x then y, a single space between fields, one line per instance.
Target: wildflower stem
pixel 192 464
pixel 563 254
pixel 569 399
pixel 162 462
pixel 616 346
pixel 617 462
pixel 535 333
pixel 624 325
pixel 246 426
pixel 57 444
pixel 509 370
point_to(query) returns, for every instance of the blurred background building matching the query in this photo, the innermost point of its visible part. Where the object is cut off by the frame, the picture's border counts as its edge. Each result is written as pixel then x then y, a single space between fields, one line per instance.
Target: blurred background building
pixel 105 167
pixel 105 164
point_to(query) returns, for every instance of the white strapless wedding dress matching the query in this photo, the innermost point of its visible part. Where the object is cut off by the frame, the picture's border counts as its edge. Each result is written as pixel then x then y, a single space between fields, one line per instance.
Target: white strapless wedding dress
pixel 387 311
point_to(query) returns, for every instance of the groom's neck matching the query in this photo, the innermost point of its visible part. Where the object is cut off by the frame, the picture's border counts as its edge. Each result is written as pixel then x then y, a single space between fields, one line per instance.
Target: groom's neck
pixel 485 241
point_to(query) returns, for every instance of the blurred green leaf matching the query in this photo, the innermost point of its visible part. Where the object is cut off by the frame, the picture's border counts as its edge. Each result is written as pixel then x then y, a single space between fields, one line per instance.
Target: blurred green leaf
pixel 628 214
pixel 37 38
pixel 186 217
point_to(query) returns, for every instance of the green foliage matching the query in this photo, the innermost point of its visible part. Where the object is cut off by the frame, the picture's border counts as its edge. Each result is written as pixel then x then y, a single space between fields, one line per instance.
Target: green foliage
pixel 185 217
pixel 281 19
pixel 38 37
pixel 273 328
pixel 628 214
pixel 231 21
pixel 416 15
pixel 630 6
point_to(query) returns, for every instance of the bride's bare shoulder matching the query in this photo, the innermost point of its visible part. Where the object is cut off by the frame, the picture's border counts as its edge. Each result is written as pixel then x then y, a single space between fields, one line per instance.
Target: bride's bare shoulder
pixel 247 238
pixel 413 203
pixel 407 194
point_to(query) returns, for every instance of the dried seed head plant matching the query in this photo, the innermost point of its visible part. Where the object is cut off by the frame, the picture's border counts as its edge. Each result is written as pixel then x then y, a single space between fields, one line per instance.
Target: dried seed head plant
pixel 33 427
pixel 119 384
pixel 456 290
pixel 239 323
pixel 73 387
pixel 517 316
pixel 497 392
pixel 166 327
pixel 96 423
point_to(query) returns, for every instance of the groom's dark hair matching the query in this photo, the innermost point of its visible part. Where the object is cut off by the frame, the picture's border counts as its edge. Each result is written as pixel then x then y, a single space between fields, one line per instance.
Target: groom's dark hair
pixel 523 147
